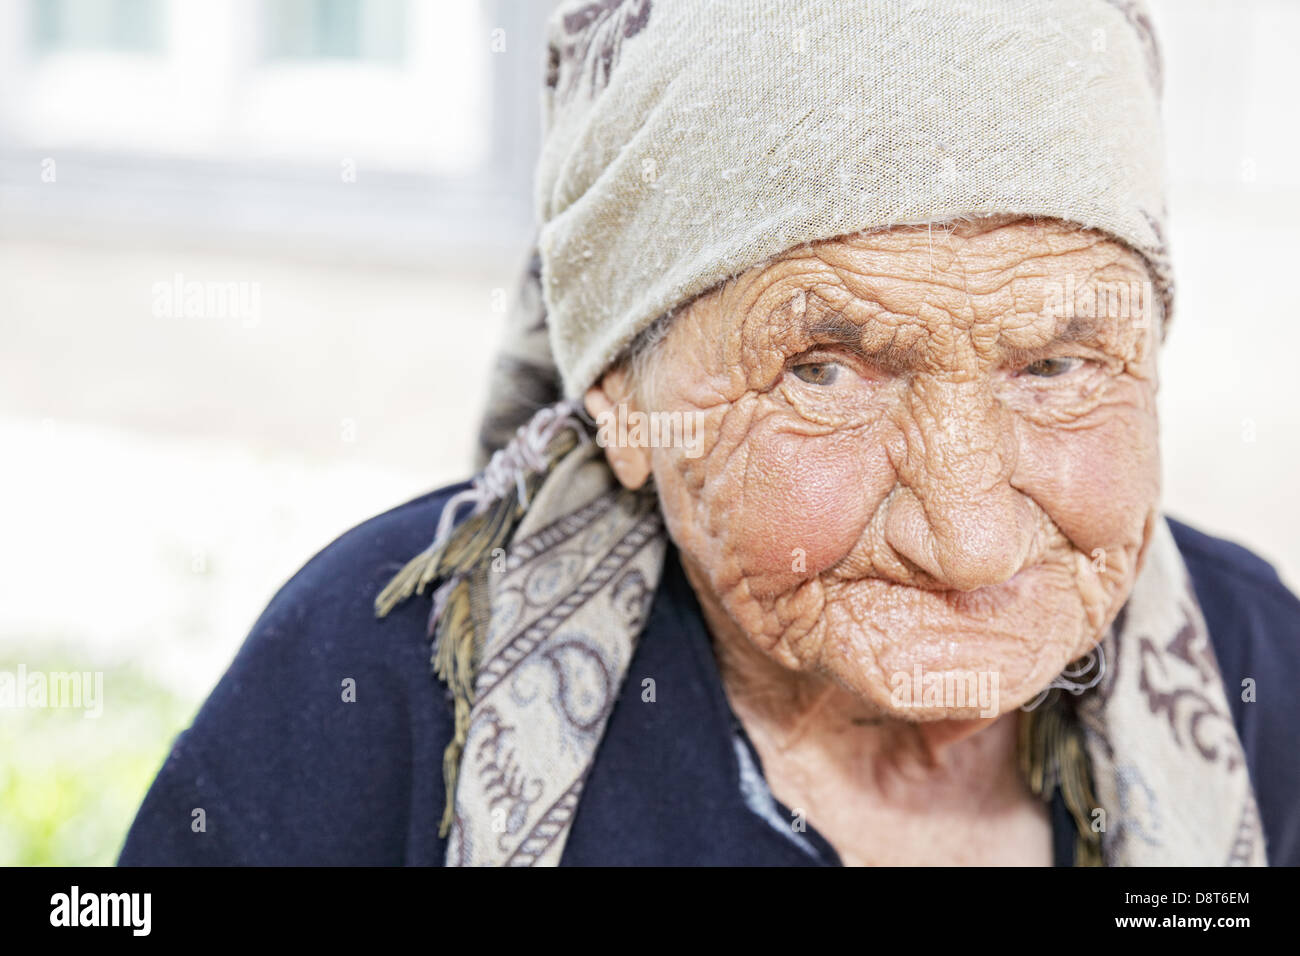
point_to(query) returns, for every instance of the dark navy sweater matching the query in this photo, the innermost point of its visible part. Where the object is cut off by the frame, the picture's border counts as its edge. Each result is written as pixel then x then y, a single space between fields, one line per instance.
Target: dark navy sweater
pixel 287 771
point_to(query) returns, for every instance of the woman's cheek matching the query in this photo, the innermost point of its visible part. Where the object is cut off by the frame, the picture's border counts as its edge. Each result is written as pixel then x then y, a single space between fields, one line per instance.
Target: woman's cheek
pixel 1097 484
pixel 805 503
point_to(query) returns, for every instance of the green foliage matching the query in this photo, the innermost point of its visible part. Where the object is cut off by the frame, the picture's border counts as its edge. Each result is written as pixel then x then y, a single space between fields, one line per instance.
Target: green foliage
pixel 70 784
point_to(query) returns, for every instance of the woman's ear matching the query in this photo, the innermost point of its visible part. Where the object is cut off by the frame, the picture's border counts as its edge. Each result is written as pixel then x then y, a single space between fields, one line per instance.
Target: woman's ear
pixel 610 404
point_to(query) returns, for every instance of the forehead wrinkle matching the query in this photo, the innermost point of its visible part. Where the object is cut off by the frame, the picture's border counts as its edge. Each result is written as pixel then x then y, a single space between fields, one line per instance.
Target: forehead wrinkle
pixel 901 270
pixel 974 272
pixel 932 283
pixel 995 317
pixel 936 345
pixel 936 340
pixel 794 278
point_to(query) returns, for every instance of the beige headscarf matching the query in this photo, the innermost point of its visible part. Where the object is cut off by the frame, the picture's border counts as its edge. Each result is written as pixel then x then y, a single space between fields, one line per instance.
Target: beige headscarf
pixel 687 141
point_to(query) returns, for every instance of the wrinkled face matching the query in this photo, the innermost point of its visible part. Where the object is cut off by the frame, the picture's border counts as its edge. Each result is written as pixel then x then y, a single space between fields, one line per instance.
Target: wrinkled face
pixel 915 454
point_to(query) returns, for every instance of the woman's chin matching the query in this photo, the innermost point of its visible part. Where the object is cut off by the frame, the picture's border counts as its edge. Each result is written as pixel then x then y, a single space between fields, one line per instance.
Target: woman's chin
pixel 964 675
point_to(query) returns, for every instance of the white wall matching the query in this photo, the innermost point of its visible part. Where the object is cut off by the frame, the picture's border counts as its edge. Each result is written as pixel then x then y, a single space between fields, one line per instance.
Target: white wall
pixel 1230 398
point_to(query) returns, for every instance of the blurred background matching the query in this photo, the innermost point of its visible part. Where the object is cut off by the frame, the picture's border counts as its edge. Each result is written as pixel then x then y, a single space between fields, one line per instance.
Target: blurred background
pixel 347 184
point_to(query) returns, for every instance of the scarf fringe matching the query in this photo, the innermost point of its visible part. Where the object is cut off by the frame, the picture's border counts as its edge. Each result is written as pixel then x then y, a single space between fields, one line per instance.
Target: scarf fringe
pixel 461 557
pixel 1051 754
pixel 454 662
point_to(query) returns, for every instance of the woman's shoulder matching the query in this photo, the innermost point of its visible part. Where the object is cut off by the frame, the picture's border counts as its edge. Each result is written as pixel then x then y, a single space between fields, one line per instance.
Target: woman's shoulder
pixel 324 615
pixel 1246 570
pixel 342 580
pixel 322 742
pixel 1252 616
pixel 1254 624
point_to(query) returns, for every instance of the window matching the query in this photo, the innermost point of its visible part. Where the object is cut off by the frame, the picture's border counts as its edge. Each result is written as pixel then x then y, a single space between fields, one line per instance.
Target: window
pixel 113 25
pixel 248 116
pixel 343 29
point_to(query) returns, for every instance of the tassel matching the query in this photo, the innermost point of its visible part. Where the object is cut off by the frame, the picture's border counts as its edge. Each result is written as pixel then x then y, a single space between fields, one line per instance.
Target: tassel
pixel 454 663
pixel 412 579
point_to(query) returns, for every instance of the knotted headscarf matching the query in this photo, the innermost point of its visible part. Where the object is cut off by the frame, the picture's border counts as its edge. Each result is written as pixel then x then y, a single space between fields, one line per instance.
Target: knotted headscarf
pixel 686 141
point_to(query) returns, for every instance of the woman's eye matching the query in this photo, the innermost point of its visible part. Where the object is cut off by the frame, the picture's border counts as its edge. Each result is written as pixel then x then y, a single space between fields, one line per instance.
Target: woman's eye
pixel 1051 367
pixel 817 373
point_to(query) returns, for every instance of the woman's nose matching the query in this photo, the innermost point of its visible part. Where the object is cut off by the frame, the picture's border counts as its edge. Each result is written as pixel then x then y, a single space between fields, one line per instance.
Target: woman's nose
pixel 955 514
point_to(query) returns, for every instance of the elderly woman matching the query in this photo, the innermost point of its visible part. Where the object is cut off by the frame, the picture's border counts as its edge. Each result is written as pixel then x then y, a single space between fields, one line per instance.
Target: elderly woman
pixel 842 542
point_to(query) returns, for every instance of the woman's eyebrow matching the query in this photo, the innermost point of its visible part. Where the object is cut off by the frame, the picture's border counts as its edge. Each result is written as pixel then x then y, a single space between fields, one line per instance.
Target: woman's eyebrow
pixel 1078 329
pixel 834 328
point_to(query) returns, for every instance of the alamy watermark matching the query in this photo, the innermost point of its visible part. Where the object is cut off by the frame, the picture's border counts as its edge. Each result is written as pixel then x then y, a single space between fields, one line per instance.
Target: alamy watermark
pixel 76 908
pixel 1131 300
pixel 179 299
pixel 621 428
pixel 946 690
pixel 83 690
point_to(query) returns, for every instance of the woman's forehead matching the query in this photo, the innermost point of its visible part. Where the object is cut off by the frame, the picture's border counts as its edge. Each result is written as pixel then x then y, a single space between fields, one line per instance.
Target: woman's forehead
pixel 1013 272
pixel 898 294
pixel 969 247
